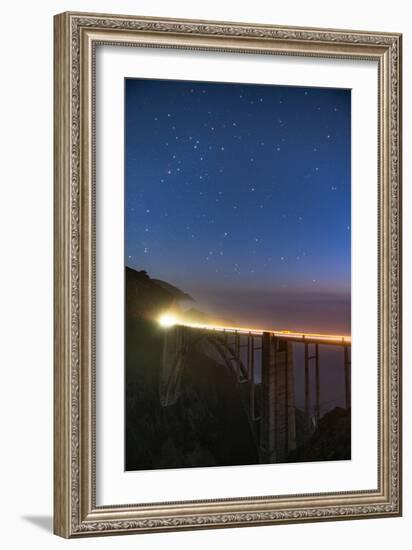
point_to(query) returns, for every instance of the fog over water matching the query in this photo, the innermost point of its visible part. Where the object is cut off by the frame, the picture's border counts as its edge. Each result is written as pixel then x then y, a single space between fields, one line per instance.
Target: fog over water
pixel 299 310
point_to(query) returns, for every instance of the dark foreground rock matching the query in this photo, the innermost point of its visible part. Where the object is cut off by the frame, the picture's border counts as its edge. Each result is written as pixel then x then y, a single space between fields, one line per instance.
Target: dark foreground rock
pixel 330 441
pixel 207 426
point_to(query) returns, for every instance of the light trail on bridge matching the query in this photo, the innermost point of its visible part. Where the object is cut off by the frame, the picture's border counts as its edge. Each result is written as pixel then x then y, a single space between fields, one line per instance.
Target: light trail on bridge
pixel 168 320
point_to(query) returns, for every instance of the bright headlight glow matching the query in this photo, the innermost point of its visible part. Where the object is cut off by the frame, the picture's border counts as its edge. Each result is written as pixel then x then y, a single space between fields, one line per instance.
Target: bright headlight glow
pixel 167 320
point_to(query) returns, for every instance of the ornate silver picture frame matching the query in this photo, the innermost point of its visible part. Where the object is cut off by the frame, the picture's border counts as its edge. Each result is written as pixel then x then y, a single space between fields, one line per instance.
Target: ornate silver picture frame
pixel 77 510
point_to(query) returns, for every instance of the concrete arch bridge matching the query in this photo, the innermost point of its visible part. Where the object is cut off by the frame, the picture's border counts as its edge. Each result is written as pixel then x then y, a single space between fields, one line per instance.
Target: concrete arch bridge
pixel 261 367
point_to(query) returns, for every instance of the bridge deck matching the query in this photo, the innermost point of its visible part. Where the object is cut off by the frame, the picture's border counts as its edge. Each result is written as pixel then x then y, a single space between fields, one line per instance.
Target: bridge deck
pixel 286 335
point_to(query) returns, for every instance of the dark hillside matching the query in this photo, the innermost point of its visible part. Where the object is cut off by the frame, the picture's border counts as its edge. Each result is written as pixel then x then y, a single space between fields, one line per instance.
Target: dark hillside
pixel 207 426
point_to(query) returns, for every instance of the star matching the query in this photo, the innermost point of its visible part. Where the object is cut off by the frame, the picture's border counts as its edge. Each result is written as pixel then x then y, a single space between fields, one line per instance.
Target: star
pixel 287 184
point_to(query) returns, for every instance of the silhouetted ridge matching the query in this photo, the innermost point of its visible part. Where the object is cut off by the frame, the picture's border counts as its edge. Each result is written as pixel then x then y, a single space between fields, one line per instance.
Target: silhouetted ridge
pixel 207 425
pixel 147 297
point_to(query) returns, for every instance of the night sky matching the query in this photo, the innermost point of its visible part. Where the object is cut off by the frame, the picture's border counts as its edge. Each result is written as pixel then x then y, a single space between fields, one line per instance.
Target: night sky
pixel 240 195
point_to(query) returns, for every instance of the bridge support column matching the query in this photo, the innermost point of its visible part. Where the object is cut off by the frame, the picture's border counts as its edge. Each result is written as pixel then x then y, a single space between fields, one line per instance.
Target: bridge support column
pixel 278 429
pixel 172 357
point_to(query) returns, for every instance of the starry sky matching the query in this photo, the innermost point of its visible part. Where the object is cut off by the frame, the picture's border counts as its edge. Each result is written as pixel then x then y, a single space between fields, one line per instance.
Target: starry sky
pixel 239 194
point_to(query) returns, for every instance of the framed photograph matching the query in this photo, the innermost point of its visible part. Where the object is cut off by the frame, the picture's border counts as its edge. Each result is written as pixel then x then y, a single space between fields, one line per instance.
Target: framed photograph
pixel 227 274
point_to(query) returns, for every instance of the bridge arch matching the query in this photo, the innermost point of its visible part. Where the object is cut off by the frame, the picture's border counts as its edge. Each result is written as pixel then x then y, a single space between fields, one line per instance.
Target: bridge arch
pixel 174 366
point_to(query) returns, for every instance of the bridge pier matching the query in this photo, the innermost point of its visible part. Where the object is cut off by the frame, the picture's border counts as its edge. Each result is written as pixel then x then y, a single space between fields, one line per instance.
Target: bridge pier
pixel 174 342
pixel 278 429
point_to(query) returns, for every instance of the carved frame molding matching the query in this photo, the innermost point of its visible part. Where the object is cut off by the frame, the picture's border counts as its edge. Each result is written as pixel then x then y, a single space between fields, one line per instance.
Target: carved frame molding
pixel 75 510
